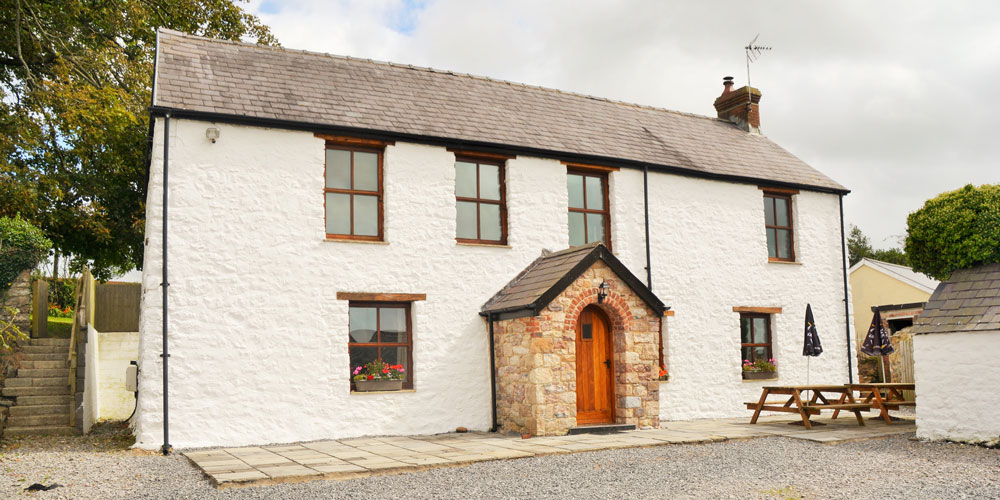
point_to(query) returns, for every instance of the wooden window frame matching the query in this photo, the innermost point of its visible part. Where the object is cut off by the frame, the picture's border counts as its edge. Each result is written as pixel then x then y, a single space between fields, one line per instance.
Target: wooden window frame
pixel 606 212
pixel 770 196
pixel 378 345
pixel 478 200
pixel 770 333
pixel 380 192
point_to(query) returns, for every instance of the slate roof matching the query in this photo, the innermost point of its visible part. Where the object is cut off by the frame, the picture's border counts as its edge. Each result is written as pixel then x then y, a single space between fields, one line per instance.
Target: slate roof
pixel 902 273
pixel 545 278
pixel 968 302
pixel 202 75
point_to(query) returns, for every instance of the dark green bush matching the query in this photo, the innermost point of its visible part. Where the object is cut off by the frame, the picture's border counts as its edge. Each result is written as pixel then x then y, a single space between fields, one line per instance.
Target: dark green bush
pixel 22 246
pixel 956 230
pixel 61 292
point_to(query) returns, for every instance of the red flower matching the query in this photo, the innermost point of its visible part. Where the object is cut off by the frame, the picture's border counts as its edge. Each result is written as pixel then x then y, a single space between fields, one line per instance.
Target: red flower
pixel 396 367
pixel 370 377
pixel 385 370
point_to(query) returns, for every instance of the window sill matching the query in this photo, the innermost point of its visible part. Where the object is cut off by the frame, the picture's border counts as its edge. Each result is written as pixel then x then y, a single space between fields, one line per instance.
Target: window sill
pixel 768 379
pixel 779 261
pixel 365 393
pixel 488 245
pixel 363 242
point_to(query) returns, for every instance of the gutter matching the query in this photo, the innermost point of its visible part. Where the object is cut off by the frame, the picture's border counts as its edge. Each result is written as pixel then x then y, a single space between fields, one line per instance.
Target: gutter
pixel 847 311
pixel 645 209
pixel 485 147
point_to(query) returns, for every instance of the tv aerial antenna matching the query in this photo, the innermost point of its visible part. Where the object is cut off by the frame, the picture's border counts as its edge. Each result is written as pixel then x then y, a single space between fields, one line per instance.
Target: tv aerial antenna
pixel 753 52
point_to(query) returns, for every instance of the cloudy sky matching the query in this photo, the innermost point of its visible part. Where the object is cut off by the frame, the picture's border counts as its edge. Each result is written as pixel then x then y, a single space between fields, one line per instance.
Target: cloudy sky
pixel 893 99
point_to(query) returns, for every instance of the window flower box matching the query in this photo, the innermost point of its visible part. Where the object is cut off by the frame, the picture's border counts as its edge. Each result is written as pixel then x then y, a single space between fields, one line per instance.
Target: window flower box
pixel 378 385
pixel 759 375
pixel 760 369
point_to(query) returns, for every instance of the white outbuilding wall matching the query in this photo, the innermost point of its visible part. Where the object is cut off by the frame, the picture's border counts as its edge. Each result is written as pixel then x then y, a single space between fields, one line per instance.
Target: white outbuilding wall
pixel 956 375
pixel 258 339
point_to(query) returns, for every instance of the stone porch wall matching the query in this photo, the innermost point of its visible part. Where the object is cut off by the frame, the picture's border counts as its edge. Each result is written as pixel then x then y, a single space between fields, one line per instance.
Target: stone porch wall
pixel 536 359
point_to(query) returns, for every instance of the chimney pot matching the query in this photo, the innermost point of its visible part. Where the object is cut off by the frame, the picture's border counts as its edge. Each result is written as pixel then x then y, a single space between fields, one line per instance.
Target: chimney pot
pixel 740 106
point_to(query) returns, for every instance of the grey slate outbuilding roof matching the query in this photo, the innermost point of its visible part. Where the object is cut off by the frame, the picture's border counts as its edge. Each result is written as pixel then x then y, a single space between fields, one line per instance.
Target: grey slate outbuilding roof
pixel 968 302
pixel 545 278
pixel 251 82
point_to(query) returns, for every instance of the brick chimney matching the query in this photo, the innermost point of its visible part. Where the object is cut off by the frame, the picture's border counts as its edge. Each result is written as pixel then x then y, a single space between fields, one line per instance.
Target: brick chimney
pixel 740 106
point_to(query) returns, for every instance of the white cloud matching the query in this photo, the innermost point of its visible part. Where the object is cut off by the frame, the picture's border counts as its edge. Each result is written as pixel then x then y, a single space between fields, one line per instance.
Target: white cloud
pixel 892 99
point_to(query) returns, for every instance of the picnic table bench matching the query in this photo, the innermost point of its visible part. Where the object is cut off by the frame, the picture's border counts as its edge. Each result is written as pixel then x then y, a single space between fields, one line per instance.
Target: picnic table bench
pixel 842 400
pixel 883 396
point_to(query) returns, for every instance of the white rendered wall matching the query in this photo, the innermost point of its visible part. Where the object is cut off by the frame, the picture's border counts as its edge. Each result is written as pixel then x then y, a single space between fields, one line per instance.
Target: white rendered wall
pixel 115 352
pixel 258 340
pixel 91 384
pixel 956 376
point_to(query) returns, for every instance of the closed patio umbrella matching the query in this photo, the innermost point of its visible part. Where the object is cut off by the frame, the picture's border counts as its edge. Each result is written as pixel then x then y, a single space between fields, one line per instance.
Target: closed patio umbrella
pixel 811 346
pixel 877 342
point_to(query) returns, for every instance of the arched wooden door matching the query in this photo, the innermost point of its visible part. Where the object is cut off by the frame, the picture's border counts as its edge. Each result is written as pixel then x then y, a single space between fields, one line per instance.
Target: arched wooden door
pixel 595 368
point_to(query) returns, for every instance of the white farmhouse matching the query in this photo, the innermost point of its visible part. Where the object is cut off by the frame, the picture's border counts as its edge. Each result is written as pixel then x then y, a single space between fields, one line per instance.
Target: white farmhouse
pixel 956 342
pixel 324 212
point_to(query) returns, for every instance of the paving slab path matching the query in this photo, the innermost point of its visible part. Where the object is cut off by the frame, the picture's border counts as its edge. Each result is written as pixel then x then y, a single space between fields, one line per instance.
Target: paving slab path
pixel 360 457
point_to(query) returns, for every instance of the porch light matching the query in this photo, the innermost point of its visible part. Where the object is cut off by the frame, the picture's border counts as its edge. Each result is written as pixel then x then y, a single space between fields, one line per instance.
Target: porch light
pixel 602 291
pixel 212 133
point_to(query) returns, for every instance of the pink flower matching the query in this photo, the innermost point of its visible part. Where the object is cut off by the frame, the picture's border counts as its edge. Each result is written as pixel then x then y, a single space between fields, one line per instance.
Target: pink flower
pixel 357 370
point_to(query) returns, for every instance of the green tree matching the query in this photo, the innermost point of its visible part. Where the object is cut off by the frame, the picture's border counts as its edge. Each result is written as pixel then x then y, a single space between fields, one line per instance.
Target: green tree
pixel 74 87
pixel 859 247
pixel 955 230
pixel 22 246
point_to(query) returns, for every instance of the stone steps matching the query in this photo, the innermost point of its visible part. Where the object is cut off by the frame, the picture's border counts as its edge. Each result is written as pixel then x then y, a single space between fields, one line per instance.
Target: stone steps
pixel 45 349
pixel 52 430
pixel 38 420
pixel 20 381
pixel 42 372
pixel 48 356
pixel 35 390
pixel 44 365
pixel 38 410
pixel 64 399
pixel 56 342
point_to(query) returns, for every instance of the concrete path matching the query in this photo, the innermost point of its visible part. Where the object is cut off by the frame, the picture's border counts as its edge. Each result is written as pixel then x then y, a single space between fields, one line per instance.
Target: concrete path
pixel 351 458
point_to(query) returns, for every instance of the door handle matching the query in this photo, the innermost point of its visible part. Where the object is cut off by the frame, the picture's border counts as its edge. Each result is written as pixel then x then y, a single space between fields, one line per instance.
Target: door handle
pixel 607 362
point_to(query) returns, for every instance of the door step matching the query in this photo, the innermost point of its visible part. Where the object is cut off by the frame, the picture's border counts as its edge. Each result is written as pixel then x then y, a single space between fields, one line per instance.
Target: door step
pixel 601 429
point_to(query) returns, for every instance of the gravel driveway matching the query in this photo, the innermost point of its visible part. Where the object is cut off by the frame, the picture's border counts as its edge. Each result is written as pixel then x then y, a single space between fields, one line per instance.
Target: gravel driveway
pixel 95 467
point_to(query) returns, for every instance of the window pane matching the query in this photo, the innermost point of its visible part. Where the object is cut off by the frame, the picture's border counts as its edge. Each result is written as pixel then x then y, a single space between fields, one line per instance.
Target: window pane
pixel 768 210
pixel 576 228
pixel 489 221
pixel 362 324
pixel 360 356
pixel 745 331
pixel 781 211
pixel 595 193
pixel 595 228
pixel 575 185
pixel 467 220
pixel 784 244
pixel 365 171
pixel 746 353
pixel 759 353
pixel 772 246
pixel 396 356
pixel 760 331
pixel 338 213
pixel 392 322
pixel 465 179
pixel 366 215
pixel 489 182
pixel 338 169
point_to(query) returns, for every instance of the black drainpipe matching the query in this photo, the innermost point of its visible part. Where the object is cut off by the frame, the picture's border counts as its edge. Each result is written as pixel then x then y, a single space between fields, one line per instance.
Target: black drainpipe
pixel 645 206
pixel 493 374
pixel 847 312
pixel 165 355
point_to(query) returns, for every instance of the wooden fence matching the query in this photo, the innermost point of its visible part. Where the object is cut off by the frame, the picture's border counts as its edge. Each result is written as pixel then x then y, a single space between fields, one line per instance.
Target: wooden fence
pixel 116 307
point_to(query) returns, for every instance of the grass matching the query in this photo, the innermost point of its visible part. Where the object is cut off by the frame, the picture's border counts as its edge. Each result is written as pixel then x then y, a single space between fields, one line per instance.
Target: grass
pixel 60 327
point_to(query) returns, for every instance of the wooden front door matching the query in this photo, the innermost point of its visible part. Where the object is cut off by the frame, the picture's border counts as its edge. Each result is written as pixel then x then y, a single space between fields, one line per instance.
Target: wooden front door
pixel 595 369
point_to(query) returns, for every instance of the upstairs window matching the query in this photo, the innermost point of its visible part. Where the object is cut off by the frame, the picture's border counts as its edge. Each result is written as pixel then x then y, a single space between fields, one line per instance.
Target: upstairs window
pixel 480 204
pixel 589 216
pixel 778 224
pixel 353 193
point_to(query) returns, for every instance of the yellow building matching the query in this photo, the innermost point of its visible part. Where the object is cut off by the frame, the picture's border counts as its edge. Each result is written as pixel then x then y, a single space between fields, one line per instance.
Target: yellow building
pixel 898 292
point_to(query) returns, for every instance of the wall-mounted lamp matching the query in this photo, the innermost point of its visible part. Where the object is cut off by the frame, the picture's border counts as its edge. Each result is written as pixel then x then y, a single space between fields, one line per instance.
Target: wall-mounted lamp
pixel 212 133
pixel 602 291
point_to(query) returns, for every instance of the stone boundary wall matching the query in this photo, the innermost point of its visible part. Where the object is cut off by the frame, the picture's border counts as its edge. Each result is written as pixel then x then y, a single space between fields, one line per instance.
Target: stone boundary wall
pixel 536 359
pixel 18 296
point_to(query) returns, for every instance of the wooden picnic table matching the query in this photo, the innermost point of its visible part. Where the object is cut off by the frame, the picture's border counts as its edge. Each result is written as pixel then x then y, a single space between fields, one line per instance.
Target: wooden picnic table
pixel 883 396
pixel 841 398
